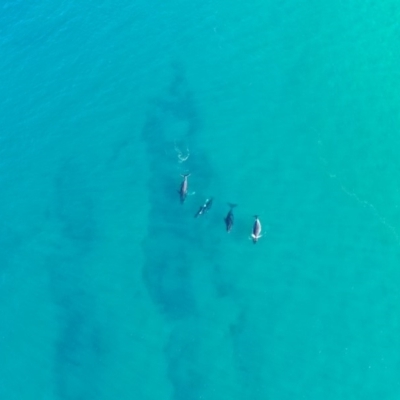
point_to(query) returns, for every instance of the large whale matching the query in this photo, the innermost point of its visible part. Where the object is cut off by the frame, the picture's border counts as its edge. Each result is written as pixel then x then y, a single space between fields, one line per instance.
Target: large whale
pixel 256 232
pixel 183 190
pixel 230 219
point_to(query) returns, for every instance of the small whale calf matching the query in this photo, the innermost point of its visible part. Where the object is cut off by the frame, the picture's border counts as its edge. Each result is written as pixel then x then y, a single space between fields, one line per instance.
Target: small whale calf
pixel 183 190
pixel 229 219
pixel 256 232
pixel 205 207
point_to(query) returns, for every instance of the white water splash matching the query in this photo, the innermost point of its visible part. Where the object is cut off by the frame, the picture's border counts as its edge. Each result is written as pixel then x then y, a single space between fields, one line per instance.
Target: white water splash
pixel 182 155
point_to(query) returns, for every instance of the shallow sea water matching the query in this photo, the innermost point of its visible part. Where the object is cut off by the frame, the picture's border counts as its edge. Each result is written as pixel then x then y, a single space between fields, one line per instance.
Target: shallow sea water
pixel 109 288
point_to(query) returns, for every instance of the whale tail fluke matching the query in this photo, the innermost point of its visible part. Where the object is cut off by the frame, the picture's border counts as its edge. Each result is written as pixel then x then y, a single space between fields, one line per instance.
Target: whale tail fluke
pixel 186 175
pixel 232 205
pixel 255 216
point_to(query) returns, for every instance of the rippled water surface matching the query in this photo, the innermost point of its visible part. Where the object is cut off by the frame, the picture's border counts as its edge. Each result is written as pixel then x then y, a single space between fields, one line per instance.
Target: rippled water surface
pixel 111 289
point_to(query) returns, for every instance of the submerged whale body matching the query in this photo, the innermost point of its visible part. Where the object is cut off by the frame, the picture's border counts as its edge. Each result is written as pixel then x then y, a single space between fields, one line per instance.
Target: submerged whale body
pixel 183 190
pixel 230 219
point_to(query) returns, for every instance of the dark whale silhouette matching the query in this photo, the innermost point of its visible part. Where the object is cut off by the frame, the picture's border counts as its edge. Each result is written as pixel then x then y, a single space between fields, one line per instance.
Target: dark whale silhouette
pixel 230 219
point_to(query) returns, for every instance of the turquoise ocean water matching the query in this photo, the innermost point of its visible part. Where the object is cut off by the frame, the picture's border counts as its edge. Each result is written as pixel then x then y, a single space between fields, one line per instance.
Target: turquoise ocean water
pixel 110 289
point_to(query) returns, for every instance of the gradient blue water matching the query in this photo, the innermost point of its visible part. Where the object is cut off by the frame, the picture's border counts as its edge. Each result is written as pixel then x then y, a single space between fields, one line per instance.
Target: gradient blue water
pixel 109 288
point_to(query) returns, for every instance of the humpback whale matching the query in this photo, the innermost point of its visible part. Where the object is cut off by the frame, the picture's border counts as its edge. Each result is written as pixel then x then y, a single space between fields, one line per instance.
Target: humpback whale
pixel 256 232
pixel 184 187
pixel 229 219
